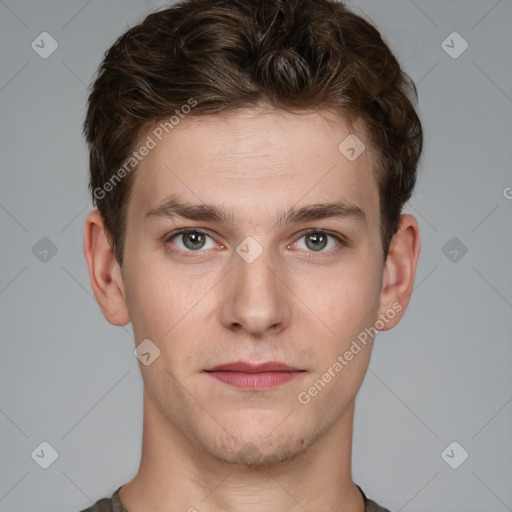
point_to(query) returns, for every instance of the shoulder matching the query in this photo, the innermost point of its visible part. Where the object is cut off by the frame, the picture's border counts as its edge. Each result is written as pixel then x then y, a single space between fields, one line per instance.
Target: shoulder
pixel 112 504
pixel 370 505
pixel 103 505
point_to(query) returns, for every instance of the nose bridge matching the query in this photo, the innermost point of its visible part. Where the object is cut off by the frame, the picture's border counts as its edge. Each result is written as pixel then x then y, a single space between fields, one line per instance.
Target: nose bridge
pixel 257 298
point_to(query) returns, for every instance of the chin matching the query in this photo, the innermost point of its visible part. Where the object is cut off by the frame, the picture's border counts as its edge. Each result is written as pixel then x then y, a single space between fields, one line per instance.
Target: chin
pixel 261 455
pixel 260 447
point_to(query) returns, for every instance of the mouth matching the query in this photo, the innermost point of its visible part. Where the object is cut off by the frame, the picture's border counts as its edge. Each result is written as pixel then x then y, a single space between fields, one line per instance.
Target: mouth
pixel 254 377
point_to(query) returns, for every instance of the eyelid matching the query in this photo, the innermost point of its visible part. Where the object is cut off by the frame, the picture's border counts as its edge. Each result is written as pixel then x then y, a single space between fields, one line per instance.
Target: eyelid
pixel 338 236
pixel 181 231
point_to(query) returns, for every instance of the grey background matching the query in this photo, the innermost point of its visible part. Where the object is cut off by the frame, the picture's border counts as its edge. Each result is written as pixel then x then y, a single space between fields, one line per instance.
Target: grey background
pixel 444 374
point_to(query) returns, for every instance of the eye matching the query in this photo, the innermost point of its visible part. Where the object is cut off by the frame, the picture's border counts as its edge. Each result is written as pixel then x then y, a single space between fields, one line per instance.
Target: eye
pixel 195 240
pixel 191 240
pixel 317 240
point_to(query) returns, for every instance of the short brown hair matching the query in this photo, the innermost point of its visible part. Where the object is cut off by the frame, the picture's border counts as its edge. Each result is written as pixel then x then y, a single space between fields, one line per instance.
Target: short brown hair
pixel 231 54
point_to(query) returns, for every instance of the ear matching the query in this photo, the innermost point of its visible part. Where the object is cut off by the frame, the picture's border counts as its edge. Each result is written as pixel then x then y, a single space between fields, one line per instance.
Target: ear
pixel 399 271
pixel 104 271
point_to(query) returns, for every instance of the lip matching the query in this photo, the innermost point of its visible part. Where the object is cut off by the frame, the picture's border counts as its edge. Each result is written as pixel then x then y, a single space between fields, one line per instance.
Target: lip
pixel 242 366
pixel 254 377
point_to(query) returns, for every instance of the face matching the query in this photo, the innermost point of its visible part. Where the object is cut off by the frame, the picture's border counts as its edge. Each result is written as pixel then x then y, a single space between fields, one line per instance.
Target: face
pixel 265 273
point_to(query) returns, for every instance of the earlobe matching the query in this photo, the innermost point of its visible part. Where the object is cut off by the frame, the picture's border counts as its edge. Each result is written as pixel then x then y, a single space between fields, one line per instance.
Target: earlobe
pixel 399 271
pixel 104 272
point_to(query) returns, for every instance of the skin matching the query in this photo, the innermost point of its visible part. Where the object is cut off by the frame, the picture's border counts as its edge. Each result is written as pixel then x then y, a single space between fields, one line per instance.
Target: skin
pixel 206 444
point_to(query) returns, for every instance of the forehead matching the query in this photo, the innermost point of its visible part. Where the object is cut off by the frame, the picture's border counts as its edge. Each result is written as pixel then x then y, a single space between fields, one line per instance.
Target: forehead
pixel 257 162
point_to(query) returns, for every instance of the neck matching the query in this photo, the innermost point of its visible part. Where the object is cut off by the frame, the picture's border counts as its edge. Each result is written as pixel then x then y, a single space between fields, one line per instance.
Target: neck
pixel 175 475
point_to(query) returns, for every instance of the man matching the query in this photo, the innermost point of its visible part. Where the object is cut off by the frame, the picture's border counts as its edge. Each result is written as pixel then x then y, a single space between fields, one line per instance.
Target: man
pixel 249 161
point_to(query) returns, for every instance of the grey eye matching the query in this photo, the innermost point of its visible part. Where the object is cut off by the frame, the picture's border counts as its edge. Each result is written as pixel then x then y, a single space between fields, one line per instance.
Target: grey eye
pixel 192 241
pixel 316 241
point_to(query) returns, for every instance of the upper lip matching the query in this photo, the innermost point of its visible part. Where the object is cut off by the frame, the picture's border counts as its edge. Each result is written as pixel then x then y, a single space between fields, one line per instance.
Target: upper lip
pixel 242 366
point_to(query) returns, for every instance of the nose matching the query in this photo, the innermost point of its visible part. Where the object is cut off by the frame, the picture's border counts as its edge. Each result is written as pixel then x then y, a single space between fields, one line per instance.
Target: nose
pixel 256 297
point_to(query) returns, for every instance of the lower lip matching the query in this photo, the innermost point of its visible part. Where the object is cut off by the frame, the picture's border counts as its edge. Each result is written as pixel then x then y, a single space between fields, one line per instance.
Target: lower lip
pixel 254 381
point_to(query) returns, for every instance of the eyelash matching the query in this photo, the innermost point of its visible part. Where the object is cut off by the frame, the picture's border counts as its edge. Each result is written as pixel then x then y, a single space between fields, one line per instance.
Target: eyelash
pixel 343 242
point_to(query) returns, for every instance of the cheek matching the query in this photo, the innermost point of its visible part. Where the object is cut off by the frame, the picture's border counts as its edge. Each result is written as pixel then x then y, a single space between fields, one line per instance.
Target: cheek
pixel 165 304
pixel 349 300
pixel 152 298
pixel 349 306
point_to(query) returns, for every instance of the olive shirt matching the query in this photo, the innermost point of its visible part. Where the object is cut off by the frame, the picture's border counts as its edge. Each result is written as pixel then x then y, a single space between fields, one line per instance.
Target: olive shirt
pixel 114 504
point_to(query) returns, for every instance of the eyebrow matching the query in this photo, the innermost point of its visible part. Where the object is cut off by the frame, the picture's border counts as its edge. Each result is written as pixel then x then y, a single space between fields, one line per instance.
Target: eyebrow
pixel 173 207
